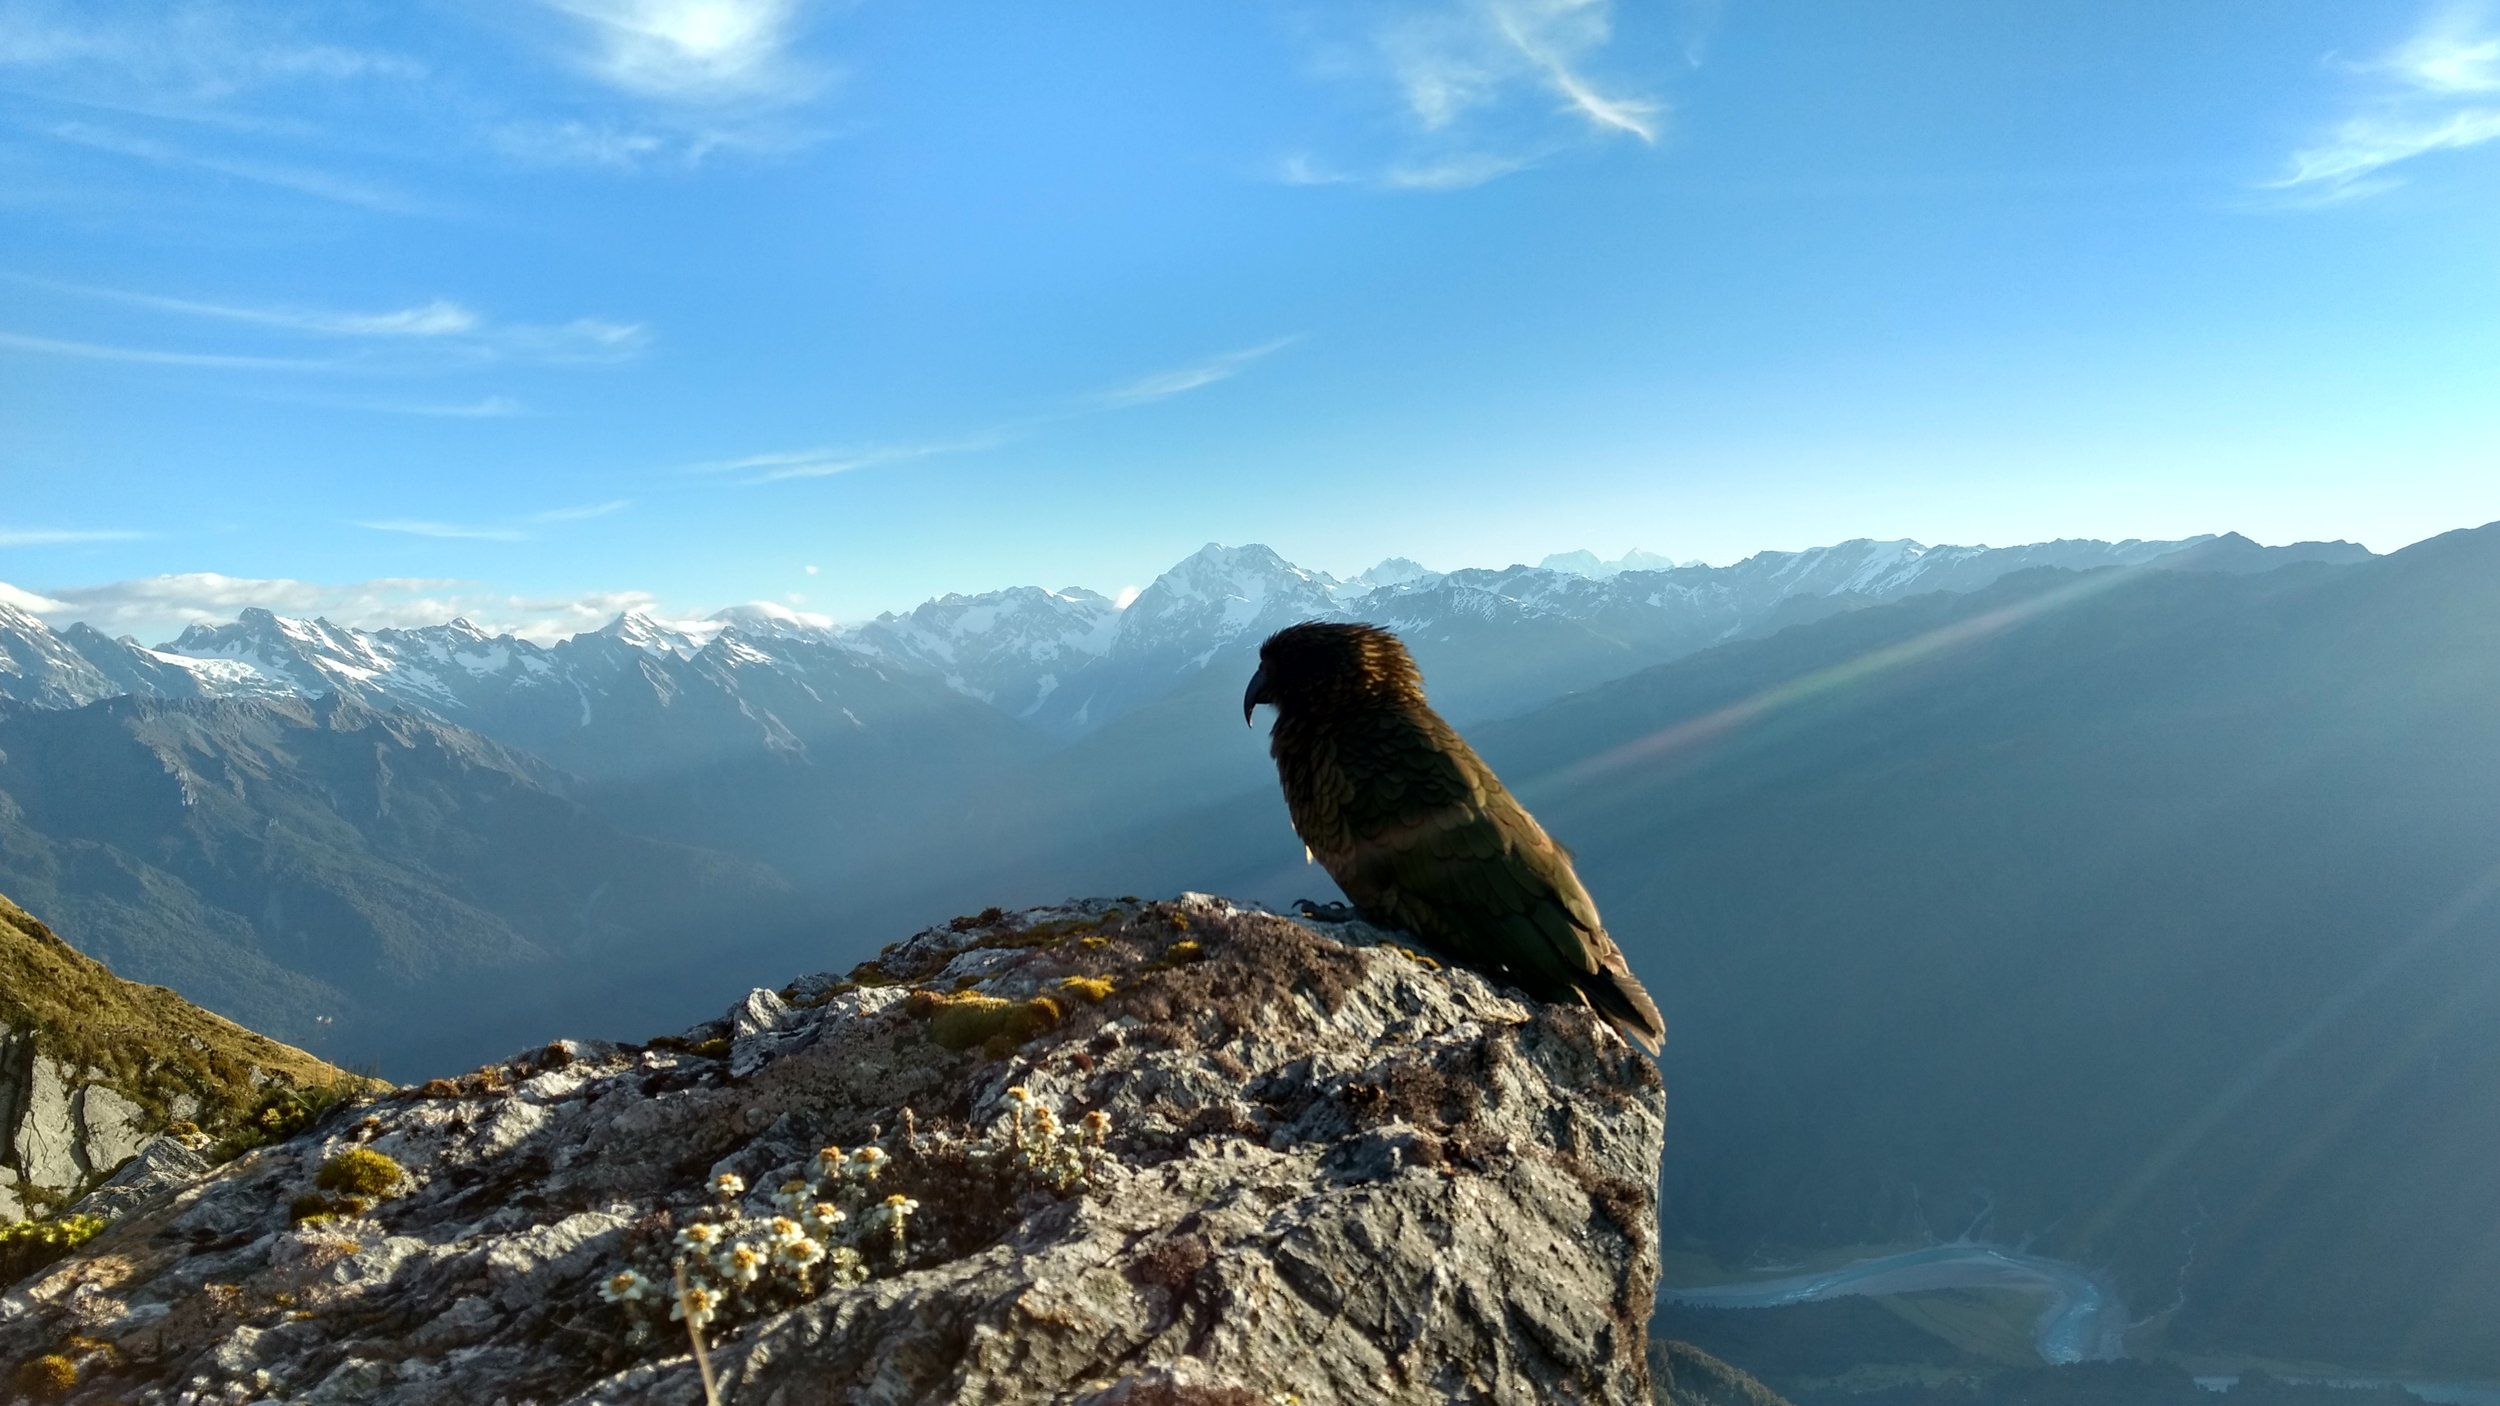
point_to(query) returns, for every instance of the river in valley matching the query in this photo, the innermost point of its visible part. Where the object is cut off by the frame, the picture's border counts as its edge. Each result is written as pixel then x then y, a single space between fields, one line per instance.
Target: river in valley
pixel 2083 1321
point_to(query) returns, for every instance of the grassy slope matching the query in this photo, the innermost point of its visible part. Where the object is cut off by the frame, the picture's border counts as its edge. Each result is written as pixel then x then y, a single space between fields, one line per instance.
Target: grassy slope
pixel 149 1043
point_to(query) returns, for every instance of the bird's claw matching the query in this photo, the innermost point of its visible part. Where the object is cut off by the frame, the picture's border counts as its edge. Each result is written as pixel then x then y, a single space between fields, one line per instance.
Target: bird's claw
pixel 1324 912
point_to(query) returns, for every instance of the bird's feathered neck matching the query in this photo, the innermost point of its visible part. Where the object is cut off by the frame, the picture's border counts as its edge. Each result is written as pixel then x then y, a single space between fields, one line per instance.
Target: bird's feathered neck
pixel 1325 667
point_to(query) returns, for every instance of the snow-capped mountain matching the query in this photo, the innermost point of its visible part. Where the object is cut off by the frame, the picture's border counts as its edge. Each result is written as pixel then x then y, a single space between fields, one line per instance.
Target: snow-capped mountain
pixel 1217 602
pixel 1011 649
pixel 652 635
pixel 79 665
pixel 1396 571
pixel 41 668
pixel 1586 563
pixel 642 692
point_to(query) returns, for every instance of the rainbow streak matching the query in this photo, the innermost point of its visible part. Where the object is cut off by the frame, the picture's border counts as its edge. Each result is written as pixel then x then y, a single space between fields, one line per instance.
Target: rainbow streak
pixel 1837 678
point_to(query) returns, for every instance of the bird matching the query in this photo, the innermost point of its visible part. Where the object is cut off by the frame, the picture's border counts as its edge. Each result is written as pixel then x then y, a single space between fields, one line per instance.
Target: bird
pixel 1420 833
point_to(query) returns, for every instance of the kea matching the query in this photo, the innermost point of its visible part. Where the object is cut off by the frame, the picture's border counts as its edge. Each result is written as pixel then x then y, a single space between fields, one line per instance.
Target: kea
pixel 1419 832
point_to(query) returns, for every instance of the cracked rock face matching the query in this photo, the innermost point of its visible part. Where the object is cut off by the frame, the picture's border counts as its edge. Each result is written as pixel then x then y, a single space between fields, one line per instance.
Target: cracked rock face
pixel 1333 1172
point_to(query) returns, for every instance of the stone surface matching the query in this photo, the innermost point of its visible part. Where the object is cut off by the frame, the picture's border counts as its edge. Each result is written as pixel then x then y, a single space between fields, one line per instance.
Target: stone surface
pixel 1334 1173
pixel 1683 1375
pixel 110 1130
pixel 161 1166
pixel 45 1146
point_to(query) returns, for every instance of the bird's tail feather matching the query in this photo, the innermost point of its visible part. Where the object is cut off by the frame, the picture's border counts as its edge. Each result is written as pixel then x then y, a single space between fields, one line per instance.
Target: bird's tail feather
pixel 1613 992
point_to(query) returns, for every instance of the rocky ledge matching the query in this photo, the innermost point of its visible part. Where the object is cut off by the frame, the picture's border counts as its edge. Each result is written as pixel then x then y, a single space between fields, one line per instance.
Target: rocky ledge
pixel 1107 1152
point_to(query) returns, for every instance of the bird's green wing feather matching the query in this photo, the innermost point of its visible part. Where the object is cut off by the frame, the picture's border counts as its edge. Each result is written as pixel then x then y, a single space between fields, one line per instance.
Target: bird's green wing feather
pixel 1439 847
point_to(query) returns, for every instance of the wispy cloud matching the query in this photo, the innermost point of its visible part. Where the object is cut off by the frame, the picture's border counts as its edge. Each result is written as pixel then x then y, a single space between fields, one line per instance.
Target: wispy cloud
pixel 1164 384
pixel 193 50
pixel 589 510
pixel 491 407
pixel 2439 90
pixel 59 536
pixel 467 532
pixel 514 530
pixel 320 185
pixel 826 461
pixel 1454 173
pixel 430 336
pixel 571 142
pixel 158 607
pixel 154 356
pixel 436 317
pixel 270 99
pixel 1488 88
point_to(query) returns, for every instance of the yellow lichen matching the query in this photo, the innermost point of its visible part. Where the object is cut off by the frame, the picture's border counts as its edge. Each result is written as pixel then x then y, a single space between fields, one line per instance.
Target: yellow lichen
pixel 46 1378
pixel 29 1245
pixel 1179 954
pixel 1092 988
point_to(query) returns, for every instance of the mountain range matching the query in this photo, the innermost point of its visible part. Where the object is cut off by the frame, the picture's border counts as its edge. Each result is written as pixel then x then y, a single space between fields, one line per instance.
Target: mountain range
pixel 760 677
pixel 2130 902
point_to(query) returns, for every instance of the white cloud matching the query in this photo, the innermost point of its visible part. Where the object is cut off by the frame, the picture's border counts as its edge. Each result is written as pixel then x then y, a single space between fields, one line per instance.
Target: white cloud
pixel 2453 52
pixel 1488 88
pixel 28 601
pixel 1128 596
pixel 2431 93
pixel 809 570
pixel 467 532
pixel 695 51
pixel 56 537
pixel 158 607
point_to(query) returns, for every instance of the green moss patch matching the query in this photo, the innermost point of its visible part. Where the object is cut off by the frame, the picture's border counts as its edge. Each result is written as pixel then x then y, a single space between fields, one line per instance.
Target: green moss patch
pixel 962 1020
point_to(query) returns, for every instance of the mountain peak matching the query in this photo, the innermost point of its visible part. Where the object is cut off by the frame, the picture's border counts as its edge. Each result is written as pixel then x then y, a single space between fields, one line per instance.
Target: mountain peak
pixel 1587 563
pixel 642 630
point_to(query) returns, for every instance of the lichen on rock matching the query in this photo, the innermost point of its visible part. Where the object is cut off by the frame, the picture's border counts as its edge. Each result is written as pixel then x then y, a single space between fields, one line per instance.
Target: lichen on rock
pixel 1284 1160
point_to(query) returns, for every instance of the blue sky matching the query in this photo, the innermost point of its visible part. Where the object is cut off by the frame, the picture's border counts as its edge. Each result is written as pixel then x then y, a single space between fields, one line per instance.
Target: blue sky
pixel 537 308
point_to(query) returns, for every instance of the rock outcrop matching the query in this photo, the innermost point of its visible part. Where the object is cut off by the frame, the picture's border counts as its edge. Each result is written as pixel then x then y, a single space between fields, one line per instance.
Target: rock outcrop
pixel 1684 1375
pixel 93 1069
pixel 1101 1153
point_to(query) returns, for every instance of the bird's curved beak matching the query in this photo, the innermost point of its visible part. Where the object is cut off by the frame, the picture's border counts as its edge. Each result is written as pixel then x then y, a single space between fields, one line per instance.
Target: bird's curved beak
pixel 1255 695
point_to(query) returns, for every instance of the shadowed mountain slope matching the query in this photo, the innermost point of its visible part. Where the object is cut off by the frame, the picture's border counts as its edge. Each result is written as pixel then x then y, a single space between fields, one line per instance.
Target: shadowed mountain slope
pixel 289 860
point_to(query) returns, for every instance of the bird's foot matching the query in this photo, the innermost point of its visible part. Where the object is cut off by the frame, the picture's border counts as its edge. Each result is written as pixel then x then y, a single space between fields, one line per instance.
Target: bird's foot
pixel 1324 912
